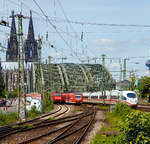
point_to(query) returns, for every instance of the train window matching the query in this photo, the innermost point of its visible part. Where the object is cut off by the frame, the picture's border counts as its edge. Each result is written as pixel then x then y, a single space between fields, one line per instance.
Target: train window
pixel 78 93
pixel 114 97
pixel 85 97
pixel 78 97
pixel 123 98
pixel 102 97
pixel 57 94
pixel 131 95
pixel 94 97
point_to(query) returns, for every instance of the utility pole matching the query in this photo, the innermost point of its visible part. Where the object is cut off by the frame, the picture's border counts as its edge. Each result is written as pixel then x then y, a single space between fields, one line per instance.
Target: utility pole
pixel 40 74
pixel 50 78
pixel 124 70
pixel 103 59
pixel 103 89
pixel 120 70
pixel 21 60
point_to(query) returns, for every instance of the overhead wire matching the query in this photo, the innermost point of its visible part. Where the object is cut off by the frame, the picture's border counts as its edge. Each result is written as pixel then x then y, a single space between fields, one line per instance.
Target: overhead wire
pixel 67 19
pixel 54 27
pixel 77 22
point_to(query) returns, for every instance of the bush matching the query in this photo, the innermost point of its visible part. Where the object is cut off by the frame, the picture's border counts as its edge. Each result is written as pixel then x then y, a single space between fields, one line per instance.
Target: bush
pixel 121 109
pixel 133 125
pixel 136 128
pixel 48 105
pixel 33 113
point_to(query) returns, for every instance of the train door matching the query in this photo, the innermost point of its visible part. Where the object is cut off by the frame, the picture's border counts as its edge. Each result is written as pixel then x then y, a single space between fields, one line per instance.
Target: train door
pixel 108 97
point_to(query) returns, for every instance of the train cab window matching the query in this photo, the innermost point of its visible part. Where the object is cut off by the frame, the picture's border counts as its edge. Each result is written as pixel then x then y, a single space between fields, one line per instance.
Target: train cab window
pixel 114 97
pixel 94 97
pixel 131 95
pixel 57 94
pixel 123 98
pixel 78 97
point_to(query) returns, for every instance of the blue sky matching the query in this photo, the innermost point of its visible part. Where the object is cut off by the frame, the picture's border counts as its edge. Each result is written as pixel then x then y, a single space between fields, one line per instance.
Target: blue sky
pixel 97 40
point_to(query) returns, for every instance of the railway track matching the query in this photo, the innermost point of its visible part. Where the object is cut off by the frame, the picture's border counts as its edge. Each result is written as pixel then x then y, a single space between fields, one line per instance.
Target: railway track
pixel 75 132
pixel 58 130
pixel 32 124
pixel 143 107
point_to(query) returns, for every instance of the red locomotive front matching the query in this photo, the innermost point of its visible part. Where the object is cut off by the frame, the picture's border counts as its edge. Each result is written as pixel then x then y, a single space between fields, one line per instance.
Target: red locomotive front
pixel 57 98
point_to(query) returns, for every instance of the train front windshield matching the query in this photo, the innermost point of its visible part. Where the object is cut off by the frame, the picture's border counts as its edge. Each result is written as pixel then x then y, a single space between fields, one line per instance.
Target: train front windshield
pixel 57 95
pixel 131 95
pixel 78 96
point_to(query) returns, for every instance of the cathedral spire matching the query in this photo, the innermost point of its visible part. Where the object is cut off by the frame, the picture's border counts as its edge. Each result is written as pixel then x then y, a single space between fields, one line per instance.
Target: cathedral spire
pixel 12 51
pixel 30 44
pixel 13 27
pixel 31 29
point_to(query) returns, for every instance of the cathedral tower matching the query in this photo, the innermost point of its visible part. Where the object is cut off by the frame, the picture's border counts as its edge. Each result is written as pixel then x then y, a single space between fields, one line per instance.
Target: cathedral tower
pixel 30 44
pixel 12 47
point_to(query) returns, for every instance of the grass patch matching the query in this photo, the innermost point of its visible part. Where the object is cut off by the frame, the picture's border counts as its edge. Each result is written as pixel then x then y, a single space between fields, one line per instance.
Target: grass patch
pixel 15 126
pixel 6 119
pixel 103 139
pixel 30 126
pixel 104 107
pixel 112 123
pixel 51 118
pixel 75 109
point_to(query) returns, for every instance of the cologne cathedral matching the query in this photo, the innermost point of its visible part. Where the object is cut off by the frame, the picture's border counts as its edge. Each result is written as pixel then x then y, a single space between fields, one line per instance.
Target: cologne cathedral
pixel 9 68
pixel 30 44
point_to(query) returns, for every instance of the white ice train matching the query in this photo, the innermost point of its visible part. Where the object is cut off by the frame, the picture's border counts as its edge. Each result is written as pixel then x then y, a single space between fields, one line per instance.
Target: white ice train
pixel 111 97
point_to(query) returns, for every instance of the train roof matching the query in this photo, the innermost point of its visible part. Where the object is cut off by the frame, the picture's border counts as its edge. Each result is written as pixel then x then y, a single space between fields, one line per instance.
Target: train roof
pixel 126 91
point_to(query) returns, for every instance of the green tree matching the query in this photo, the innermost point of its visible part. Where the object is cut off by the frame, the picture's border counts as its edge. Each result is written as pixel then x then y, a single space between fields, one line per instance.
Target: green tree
pixel 2 88
pixel 132 83
pixel 13 94
pixel 144 87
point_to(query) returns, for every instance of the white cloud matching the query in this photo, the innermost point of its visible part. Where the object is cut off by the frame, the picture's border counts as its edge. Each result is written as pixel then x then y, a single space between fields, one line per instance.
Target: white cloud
pixel 106 45
pixel 103 42
pixel 104 48
pixel 54 54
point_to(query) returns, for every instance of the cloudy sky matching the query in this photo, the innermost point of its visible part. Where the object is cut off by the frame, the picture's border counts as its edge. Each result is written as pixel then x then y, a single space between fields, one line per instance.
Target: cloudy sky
pixel 116 42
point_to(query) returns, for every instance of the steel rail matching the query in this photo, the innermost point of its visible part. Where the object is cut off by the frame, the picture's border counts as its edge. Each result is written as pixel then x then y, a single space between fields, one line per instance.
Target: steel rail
pixel 63 135
pixel 21 123
pixel 86 130
pixel 10 131
pixel 69 125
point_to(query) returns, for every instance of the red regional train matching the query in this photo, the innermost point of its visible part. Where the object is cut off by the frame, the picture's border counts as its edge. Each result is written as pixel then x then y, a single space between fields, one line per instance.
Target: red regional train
pixel 75 98
pixel 57 97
